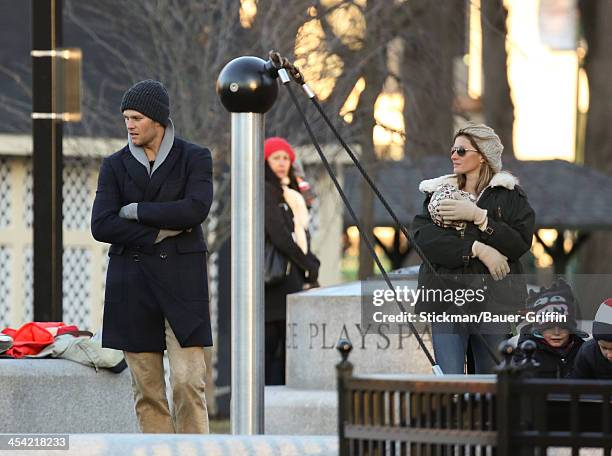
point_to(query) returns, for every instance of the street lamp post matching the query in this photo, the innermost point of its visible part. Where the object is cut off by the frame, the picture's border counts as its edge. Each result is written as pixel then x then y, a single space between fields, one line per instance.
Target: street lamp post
pixel 47 160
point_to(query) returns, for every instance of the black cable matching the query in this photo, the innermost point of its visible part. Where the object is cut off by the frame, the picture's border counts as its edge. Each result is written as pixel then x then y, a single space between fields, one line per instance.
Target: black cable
pixel 365 175
pixel 363 235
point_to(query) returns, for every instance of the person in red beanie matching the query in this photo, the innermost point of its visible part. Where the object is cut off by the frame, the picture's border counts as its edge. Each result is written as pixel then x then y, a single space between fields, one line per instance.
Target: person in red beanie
pixel 286 228
pixel 276 144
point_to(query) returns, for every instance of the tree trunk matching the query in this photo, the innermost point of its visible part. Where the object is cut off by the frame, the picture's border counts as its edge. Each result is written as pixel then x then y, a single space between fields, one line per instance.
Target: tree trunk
pixel 497 104
pixel 428 77
pixel 374 74
pixel 598 144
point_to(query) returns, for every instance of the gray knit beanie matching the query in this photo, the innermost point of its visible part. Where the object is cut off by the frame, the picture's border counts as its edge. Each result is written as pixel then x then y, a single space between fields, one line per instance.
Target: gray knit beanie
pixel 487 141
pixel 150 98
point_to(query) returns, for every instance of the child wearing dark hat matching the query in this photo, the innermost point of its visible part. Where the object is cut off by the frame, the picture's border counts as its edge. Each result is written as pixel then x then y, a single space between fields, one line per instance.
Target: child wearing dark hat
pixel 556 336
pixel 594 361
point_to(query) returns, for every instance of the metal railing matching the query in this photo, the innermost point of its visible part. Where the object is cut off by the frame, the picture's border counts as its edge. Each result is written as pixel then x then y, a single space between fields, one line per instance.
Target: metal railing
pixel 507 415
pixel 537 414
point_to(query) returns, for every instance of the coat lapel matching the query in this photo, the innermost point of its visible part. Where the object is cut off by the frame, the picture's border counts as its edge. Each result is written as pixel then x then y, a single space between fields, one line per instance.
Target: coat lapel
pixel 161 173
pixel 136 171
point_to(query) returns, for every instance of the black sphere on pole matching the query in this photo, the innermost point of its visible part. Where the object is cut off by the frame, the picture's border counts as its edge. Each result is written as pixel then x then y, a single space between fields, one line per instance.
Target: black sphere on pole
pixel 246 85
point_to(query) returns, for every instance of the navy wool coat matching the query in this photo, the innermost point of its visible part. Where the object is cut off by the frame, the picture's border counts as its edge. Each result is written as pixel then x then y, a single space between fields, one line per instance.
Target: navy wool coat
pixel 147 282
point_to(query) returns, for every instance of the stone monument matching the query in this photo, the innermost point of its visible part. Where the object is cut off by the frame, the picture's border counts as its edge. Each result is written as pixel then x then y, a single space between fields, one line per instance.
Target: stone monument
pixel 316 319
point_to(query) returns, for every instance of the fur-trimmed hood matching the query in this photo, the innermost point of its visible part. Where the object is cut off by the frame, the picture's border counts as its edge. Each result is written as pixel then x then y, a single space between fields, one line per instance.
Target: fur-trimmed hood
pixel 501 179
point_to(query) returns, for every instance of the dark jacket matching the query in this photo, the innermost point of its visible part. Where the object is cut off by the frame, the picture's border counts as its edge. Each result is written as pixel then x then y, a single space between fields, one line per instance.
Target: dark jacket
pixel 279 228
pixel 553 362
pixel 510 230
pixel 591 364
pixel 147 282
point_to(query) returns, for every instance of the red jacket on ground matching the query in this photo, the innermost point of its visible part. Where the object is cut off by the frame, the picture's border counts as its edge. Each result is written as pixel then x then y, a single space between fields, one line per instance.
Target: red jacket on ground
pixel 32 337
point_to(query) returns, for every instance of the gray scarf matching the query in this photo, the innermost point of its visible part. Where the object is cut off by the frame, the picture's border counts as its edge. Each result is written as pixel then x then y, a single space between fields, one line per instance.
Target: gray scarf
pixel 164 149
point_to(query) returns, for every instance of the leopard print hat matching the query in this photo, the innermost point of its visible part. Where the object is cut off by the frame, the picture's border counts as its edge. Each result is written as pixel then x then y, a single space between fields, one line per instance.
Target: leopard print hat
pixel 447 191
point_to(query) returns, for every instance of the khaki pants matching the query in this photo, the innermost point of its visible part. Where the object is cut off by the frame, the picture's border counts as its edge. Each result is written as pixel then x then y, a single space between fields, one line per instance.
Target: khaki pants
pixel 187 380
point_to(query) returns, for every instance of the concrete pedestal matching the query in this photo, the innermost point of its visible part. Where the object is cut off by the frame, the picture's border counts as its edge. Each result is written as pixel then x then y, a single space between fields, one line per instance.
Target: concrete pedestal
pixel 61 396
pixel 316 319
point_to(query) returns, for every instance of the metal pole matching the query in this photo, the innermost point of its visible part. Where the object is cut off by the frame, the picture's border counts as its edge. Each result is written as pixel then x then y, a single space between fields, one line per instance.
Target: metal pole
pixel 247 404
pixel 247 88
pixel 47 163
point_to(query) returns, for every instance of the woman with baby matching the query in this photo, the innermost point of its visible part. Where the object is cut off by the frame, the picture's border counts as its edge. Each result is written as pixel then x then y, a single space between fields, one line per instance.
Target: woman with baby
pixel 475 225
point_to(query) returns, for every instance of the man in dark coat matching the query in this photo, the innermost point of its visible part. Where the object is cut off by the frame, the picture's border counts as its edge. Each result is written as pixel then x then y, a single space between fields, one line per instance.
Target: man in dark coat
pixel 152 198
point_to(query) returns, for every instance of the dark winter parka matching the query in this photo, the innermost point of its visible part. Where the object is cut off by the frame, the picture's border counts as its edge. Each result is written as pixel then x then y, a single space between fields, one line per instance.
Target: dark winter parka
pixel 147 282
pixel 279 227
pixel 510 230
pixel 590 363
pixel 553 362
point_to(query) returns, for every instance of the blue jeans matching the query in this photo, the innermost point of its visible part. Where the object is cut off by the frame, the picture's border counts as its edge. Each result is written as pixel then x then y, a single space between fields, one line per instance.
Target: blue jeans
pixel 450 344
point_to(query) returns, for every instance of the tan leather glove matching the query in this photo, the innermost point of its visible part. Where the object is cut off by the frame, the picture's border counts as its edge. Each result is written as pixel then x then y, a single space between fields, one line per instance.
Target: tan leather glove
pixel 451 210
pixel 492 259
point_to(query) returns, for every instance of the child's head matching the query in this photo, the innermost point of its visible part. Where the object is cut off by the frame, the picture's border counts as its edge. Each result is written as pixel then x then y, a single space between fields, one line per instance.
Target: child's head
pixel 602 328
pixel 606 348
pixel 555 309
pixel 556 336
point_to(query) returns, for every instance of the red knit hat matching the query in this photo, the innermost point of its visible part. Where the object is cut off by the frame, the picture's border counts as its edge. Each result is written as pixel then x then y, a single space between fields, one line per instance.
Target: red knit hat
pixel 276 144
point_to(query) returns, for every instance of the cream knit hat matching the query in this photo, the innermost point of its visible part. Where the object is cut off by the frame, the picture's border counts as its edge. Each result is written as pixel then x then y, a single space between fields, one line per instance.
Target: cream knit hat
pixel 602 324
pixel 487 142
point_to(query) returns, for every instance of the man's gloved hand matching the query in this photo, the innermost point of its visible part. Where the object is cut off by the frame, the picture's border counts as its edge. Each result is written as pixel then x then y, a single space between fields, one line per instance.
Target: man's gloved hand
pixel 163 234
pixel 492 259
pixel 452 210
pixel 129 211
